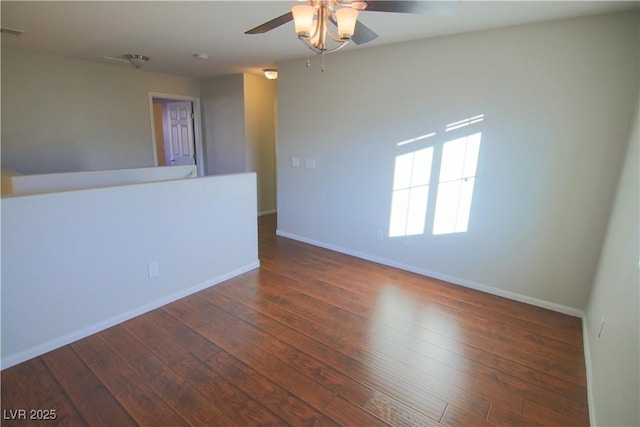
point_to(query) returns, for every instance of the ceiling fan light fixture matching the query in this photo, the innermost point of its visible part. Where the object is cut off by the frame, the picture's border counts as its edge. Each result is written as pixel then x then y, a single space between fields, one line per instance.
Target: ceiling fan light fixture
pixel 359 5
pixel 303 19
pixel 270 73
pixel 312 24
pixel 136 60
pixel 346 18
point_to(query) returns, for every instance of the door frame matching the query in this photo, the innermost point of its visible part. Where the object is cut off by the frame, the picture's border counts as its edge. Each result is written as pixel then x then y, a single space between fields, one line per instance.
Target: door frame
pixel 197 127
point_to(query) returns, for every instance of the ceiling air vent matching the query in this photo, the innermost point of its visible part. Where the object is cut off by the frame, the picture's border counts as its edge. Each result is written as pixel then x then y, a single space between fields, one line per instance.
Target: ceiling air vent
pixel 11 31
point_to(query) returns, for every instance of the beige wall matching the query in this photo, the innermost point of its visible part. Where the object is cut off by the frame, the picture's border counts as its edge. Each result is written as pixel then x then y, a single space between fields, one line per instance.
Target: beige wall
pixel 239 123
pixel 63 280
pixel 613 354
pixel 224 123
pixel 61 114
pixel 558 100
pixel 260 133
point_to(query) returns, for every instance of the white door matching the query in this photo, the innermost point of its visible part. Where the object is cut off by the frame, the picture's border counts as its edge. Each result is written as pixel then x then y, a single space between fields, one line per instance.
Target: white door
pixel 181 145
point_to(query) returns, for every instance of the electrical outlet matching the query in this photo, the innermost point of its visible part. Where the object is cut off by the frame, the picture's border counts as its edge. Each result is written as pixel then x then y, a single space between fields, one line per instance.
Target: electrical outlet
pixel 153 268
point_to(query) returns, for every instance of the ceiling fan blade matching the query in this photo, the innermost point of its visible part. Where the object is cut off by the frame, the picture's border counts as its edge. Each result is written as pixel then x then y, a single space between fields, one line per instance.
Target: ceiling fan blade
pixel 440 7
pixel 274 23
pixel 363 34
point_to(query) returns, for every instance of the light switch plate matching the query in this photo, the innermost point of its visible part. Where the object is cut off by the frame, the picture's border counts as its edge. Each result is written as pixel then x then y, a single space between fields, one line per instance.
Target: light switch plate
pixel 295 162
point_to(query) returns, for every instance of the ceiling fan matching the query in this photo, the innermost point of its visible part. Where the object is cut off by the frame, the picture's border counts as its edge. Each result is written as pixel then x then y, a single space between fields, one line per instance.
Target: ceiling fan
pixel 312 18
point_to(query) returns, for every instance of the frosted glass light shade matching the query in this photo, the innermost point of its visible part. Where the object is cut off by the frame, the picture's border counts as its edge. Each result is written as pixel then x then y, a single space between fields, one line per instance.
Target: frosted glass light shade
pixel 347 18
pixel 270 73
pixel 303 19
pixel 136 60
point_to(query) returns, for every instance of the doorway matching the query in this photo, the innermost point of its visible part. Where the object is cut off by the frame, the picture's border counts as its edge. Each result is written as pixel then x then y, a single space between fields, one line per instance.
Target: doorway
pixel 176 131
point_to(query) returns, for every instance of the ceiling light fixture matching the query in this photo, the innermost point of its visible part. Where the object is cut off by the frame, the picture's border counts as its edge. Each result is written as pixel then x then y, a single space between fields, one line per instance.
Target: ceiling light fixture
pixel 270 73
pixel 311 23
pixel 314 20
pixel 136 60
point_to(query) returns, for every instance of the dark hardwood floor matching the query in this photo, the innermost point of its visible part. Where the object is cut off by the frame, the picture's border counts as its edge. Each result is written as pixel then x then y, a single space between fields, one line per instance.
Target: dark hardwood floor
pixel 314 337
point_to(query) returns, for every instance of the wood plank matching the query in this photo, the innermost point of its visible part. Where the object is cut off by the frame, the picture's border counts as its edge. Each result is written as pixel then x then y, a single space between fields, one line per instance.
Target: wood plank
pixel 204 379
pixel 12 400
pixel 40 391
pixel 515 378
pixel 561 369
pixel 88 394
pixel 144 404
pixel 549 417
pixel 454 416
pixel 418 399
pixel 239 340
pixel 274 309
pixel 166 328
pixel 153 330
pixel 345 413
pixel 567 335
pixel 502 415
pixel 395 413
pixel 382 406
pixel 541 345
pixel 175 390
pixel 274 397
pixel 347 323
pixel 241 311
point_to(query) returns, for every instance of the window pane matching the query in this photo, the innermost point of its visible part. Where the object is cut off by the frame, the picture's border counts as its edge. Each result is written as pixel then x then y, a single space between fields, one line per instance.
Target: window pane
pixel 446 207
pixel 402 174
pixel 399 208
pixel 464 205
pixel 453 153
pixel 422 167
pixel 417 210
pixel 471 157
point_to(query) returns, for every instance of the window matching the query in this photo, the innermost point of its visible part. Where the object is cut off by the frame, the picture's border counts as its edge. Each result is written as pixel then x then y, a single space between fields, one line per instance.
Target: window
pixel 452 158
pixel 455 186
pixel 410 193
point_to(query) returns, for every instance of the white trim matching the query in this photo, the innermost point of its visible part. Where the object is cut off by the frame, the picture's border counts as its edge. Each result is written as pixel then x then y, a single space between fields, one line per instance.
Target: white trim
pixel 40 349
pixel 447 278
pixel 197 127
pixel 587 361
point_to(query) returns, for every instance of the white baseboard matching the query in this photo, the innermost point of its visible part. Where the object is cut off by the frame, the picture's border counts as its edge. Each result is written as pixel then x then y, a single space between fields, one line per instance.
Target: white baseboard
pixel 43 348
pixel 587 363
pixel 445 277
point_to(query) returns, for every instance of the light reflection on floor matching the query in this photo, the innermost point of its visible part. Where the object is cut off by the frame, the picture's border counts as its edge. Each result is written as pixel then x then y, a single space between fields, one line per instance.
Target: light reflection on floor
pixel 420 334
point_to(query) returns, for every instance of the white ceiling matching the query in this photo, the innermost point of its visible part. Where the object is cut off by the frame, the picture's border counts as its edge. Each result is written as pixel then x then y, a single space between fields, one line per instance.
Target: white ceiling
pixel 171 32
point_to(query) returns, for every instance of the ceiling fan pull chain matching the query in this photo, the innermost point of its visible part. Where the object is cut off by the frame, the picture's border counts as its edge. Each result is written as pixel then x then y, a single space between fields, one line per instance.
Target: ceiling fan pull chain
pixel 323 61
